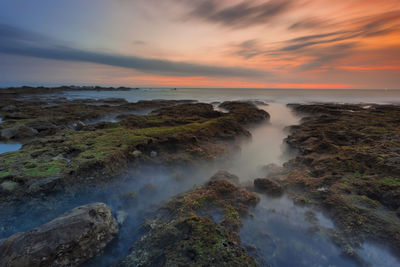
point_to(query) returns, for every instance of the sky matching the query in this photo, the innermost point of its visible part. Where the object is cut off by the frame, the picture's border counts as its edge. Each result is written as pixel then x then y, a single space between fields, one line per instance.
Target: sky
pixel 201 43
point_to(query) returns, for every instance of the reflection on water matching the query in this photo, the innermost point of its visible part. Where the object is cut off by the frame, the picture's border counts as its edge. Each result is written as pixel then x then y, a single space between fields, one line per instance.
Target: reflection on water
pixel 8 147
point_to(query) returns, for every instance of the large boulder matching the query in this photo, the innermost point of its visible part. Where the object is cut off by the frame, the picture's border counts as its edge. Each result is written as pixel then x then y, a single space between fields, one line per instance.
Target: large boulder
pixel 69 240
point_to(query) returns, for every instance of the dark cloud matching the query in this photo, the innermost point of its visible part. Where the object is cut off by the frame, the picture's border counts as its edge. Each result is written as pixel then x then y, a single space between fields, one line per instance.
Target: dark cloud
pixel 15 41
pixel 248 49
pixel 241 15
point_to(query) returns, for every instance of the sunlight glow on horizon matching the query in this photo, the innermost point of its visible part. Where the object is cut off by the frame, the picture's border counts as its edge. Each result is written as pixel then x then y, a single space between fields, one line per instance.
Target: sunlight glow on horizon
pixel 263 44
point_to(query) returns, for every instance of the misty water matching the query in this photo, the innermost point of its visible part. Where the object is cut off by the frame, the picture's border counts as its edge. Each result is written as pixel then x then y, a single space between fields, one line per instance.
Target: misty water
pixel 279 230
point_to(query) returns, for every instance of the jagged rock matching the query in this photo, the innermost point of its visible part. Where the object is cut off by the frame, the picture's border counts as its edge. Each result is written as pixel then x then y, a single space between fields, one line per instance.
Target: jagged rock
pixel 268 186
pixel 69 240
pixel 225 175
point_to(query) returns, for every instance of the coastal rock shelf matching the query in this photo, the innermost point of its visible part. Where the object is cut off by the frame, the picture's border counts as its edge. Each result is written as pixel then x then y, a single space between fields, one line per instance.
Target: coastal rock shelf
pixel 58 143
pixel 106 182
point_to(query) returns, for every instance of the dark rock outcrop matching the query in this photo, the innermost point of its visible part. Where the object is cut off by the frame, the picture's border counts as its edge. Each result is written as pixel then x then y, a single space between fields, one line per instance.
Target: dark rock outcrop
pixel 69 240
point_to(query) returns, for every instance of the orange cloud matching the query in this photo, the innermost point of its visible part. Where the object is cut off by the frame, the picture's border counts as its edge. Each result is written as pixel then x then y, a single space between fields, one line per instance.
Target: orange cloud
pixel 369 68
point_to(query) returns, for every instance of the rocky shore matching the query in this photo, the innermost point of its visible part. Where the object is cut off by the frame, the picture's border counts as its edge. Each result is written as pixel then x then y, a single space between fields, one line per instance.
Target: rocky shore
pixel 74 142
pixel 347 165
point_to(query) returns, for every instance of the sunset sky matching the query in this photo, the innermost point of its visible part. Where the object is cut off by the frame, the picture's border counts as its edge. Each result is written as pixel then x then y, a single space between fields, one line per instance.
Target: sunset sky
pixel 201 43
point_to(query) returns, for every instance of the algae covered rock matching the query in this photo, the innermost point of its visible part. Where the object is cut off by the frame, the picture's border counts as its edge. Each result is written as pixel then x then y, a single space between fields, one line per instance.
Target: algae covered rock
pixel 69 240
pixel 268 186
pixel 185 233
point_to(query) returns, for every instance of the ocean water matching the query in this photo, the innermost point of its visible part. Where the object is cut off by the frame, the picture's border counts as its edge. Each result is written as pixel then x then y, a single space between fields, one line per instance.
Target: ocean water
pixel 269 95
pixel 279 230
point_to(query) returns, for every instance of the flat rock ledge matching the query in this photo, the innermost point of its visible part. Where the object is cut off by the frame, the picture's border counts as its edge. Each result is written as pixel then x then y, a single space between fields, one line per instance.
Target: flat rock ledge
pixel 69 240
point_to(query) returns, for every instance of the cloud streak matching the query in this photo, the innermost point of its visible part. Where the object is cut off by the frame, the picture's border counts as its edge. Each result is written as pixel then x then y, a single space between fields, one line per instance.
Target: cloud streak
pixel 241 15
pixel 15 41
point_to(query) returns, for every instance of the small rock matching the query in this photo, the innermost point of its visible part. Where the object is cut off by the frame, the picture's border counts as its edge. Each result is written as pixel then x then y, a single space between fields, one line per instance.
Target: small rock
pixel 136 153
pixel 79 125
pixel 9 185
pixel 268 186
pixel 153 154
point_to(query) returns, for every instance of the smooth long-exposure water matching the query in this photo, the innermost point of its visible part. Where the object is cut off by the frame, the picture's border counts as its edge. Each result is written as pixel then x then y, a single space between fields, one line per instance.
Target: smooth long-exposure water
pixel 279 230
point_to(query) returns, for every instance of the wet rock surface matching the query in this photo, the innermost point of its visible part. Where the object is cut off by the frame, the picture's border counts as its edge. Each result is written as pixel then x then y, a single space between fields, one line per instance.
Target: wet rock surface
pixel 179 236
pixel 69 240
pixel 347 165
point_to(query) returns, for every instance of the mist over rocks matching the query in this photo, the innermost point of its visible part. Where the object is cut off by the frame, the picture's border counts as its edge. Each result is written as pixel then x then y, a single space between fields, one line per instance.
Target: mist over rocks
pixel 345 165
pixel 184 232
pixel 69 240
